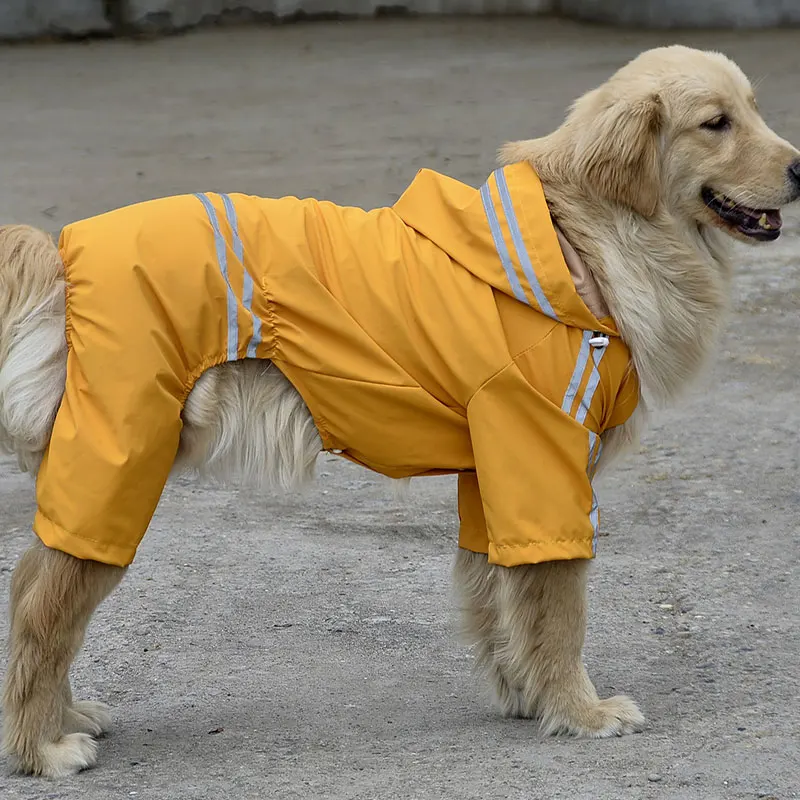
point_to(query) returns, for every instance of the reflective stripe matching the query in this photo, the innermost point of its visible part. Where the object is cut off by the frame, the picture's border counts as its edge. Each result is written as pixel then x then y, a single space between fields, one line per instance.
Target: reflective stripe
pixel 238 247
pixel 595 444
pixel 594 513
pixel 222 263
pixel 577 373
pixel 591 385
pixel 500 245
pixel 247 289
pixel 519 246
pixel 594 518
pixel 592 442
pixel 595 448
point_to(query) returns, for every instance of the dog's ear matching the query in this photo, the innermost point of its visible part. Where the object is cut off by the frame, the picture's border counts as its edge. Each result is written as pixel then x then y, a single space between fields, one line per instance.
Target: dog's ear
pixel 618 153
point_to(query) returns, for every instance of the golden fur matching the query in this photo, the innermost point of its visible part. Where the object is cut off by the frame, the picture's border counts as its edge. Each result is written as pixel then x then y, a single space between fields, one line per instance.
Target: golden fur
pixel 624 177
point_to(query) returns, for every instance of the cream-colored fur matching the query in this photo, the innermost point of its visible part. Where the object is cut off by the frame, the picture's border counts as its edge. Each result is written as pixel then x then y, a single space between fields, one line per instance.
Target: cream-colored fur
pixel 623 176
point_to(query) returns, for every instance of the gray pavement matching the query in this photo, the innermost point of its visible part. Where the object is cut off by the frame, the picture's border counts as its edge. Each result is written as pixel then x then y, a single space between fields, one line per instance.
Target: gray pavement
pixel 303 646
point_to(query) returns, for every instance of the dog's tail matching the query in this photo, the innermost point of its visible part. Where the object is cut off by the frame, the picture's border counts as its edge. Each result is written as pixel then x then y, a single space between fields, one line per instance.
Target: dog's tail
pixel 32 341
pixel 30 270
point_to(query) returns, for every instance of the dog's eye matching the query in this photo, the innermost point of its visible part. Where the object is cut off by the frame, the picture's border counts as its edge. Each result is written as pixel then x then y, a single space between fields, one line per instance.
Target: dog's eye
pixel 720 123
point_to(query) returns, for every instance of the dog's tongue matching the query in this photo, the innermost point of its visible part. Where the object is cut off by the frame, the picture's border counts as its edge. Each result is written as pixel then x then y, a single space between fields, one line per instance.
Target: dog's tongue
pixel 773 219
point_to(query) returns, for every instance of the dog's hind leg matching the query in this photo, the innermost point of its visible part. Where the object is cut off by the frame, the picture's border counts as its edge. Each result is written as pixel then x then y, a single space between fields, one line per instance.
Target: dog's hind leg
pixel 53 595
pixel 537 640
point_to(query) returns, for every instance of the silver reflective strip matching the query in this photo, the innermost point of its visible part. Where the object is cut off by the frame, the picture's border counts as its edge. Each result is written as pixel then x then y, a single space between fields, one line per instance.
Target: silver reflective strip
pixel 247 289
pixel 595 444
pixel 592 443
pixel 593 437
pixel 591 386
pixel 222 262
pixel 519 246
pixel 577 373
pixel 500 245
pixel 594 513
pixel 594 518
pixel 238 247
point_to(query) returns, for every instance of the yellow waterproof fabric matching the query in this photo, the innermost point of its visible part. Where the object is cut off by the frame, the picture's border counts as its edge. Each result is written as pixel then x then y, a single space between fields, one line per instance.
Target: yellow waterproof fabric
pixel 443 334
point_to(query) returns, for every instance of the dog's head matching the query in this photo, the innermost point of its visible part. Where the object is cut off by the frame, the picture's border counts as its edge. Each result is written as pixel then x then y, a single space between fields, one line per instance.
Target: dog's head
pixel 678 129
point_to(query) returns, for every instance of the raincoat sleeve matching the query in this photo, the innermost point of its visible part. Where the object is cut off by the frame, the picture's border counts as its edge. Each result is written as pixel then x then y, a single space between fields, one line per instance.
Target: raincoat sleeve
pixel 530 486
pixel 626 401
pixel 113 445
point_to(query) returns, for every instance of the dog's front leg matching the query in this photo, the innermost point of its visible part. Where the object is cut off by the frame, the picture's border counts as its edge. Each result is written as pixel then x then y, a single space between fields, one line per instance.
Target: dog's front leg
pixel 53 595
pixel 529 625
pixel 476 582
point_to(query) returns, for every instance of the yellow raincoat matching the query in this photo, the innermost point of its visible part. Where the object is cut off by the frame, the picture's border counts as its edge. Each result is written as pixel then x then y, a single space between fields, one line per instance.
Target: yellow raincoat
pixel 443 334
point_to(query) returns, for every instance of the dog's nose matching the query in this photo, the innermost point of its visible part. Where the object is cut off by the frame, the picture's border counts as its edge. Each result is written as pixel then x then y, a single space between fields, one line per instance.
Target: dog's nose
pixel 794 176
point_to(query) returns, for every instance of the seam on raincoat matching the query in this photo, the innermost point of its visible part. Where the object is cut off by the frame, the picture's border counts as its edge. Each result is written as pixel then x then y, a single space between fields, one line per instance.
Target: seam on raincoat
pixel 320 422
pixel 512 363
pixel 69 533
pixel 67 298
pixel 538 542
pixel 413 386
pixel 196 373
pixel 273 318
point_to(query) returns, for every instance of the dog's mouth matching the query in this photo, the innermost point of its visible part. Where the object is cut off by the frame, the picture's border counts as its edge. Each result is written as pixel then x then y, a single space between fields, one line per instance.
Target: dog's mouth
pixel 762 224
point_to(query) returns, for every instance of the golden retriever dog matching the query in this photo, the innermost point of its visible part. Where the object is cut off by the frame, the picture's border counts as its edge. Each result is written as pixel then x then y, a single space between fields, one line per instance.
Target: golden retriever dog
pixel 648 178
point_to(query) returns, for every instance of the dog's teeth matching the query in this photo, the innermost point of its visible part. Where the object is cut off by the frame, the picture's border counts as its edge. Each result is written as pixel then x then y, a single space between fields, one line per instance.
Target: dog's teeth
pixel 763 222
pixel 725 202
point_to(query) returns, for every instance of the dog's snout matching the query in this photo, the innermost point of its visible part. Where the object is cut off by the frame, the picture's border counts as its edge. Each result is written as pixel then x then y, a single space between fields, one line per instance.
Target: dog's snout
pixel 794 177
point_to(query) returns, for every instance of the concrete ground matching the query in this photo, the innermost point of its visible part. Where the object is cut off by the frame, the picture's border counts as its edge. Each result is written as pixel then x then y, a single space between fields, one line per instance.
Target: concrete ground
pixel 303 646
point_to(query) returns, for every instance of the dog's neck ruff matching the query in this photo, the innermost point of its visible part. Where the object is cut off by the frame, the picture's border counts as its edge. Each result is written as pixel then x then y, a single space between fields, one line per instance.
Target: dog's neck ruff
pixel 585 284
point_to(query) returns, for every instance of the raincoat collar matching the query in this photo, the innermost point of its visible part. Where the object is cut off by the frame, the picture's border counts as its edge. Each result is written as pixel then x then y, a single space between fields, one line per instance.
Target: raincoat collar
pixel 504 235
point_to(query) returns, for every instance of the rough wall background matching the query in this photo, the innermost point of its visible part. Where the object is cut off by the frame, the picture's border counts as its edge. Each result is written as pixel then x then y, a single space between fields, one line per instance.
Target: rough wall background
pixel 685 13
pixel 177 14
pixel 21 19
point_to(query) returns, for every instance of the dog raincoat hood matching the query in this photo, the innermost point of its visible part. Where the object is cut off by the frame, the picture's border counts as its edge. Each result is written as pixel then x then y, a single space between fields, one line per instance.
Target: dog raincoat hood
pixel 443 334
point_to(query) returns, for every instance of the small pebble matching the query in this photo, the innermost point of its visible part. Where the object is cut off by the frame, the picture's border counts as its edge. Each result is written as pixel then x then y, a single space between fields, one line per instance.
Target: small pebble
pixel 654 777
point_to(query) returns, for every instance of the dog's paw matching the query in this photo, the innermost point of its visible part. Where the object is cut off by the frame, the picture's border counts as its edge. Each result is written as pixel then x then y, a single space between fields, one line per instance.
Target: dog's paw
pixel 615 716
pixel 87 716
pixel 71 754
